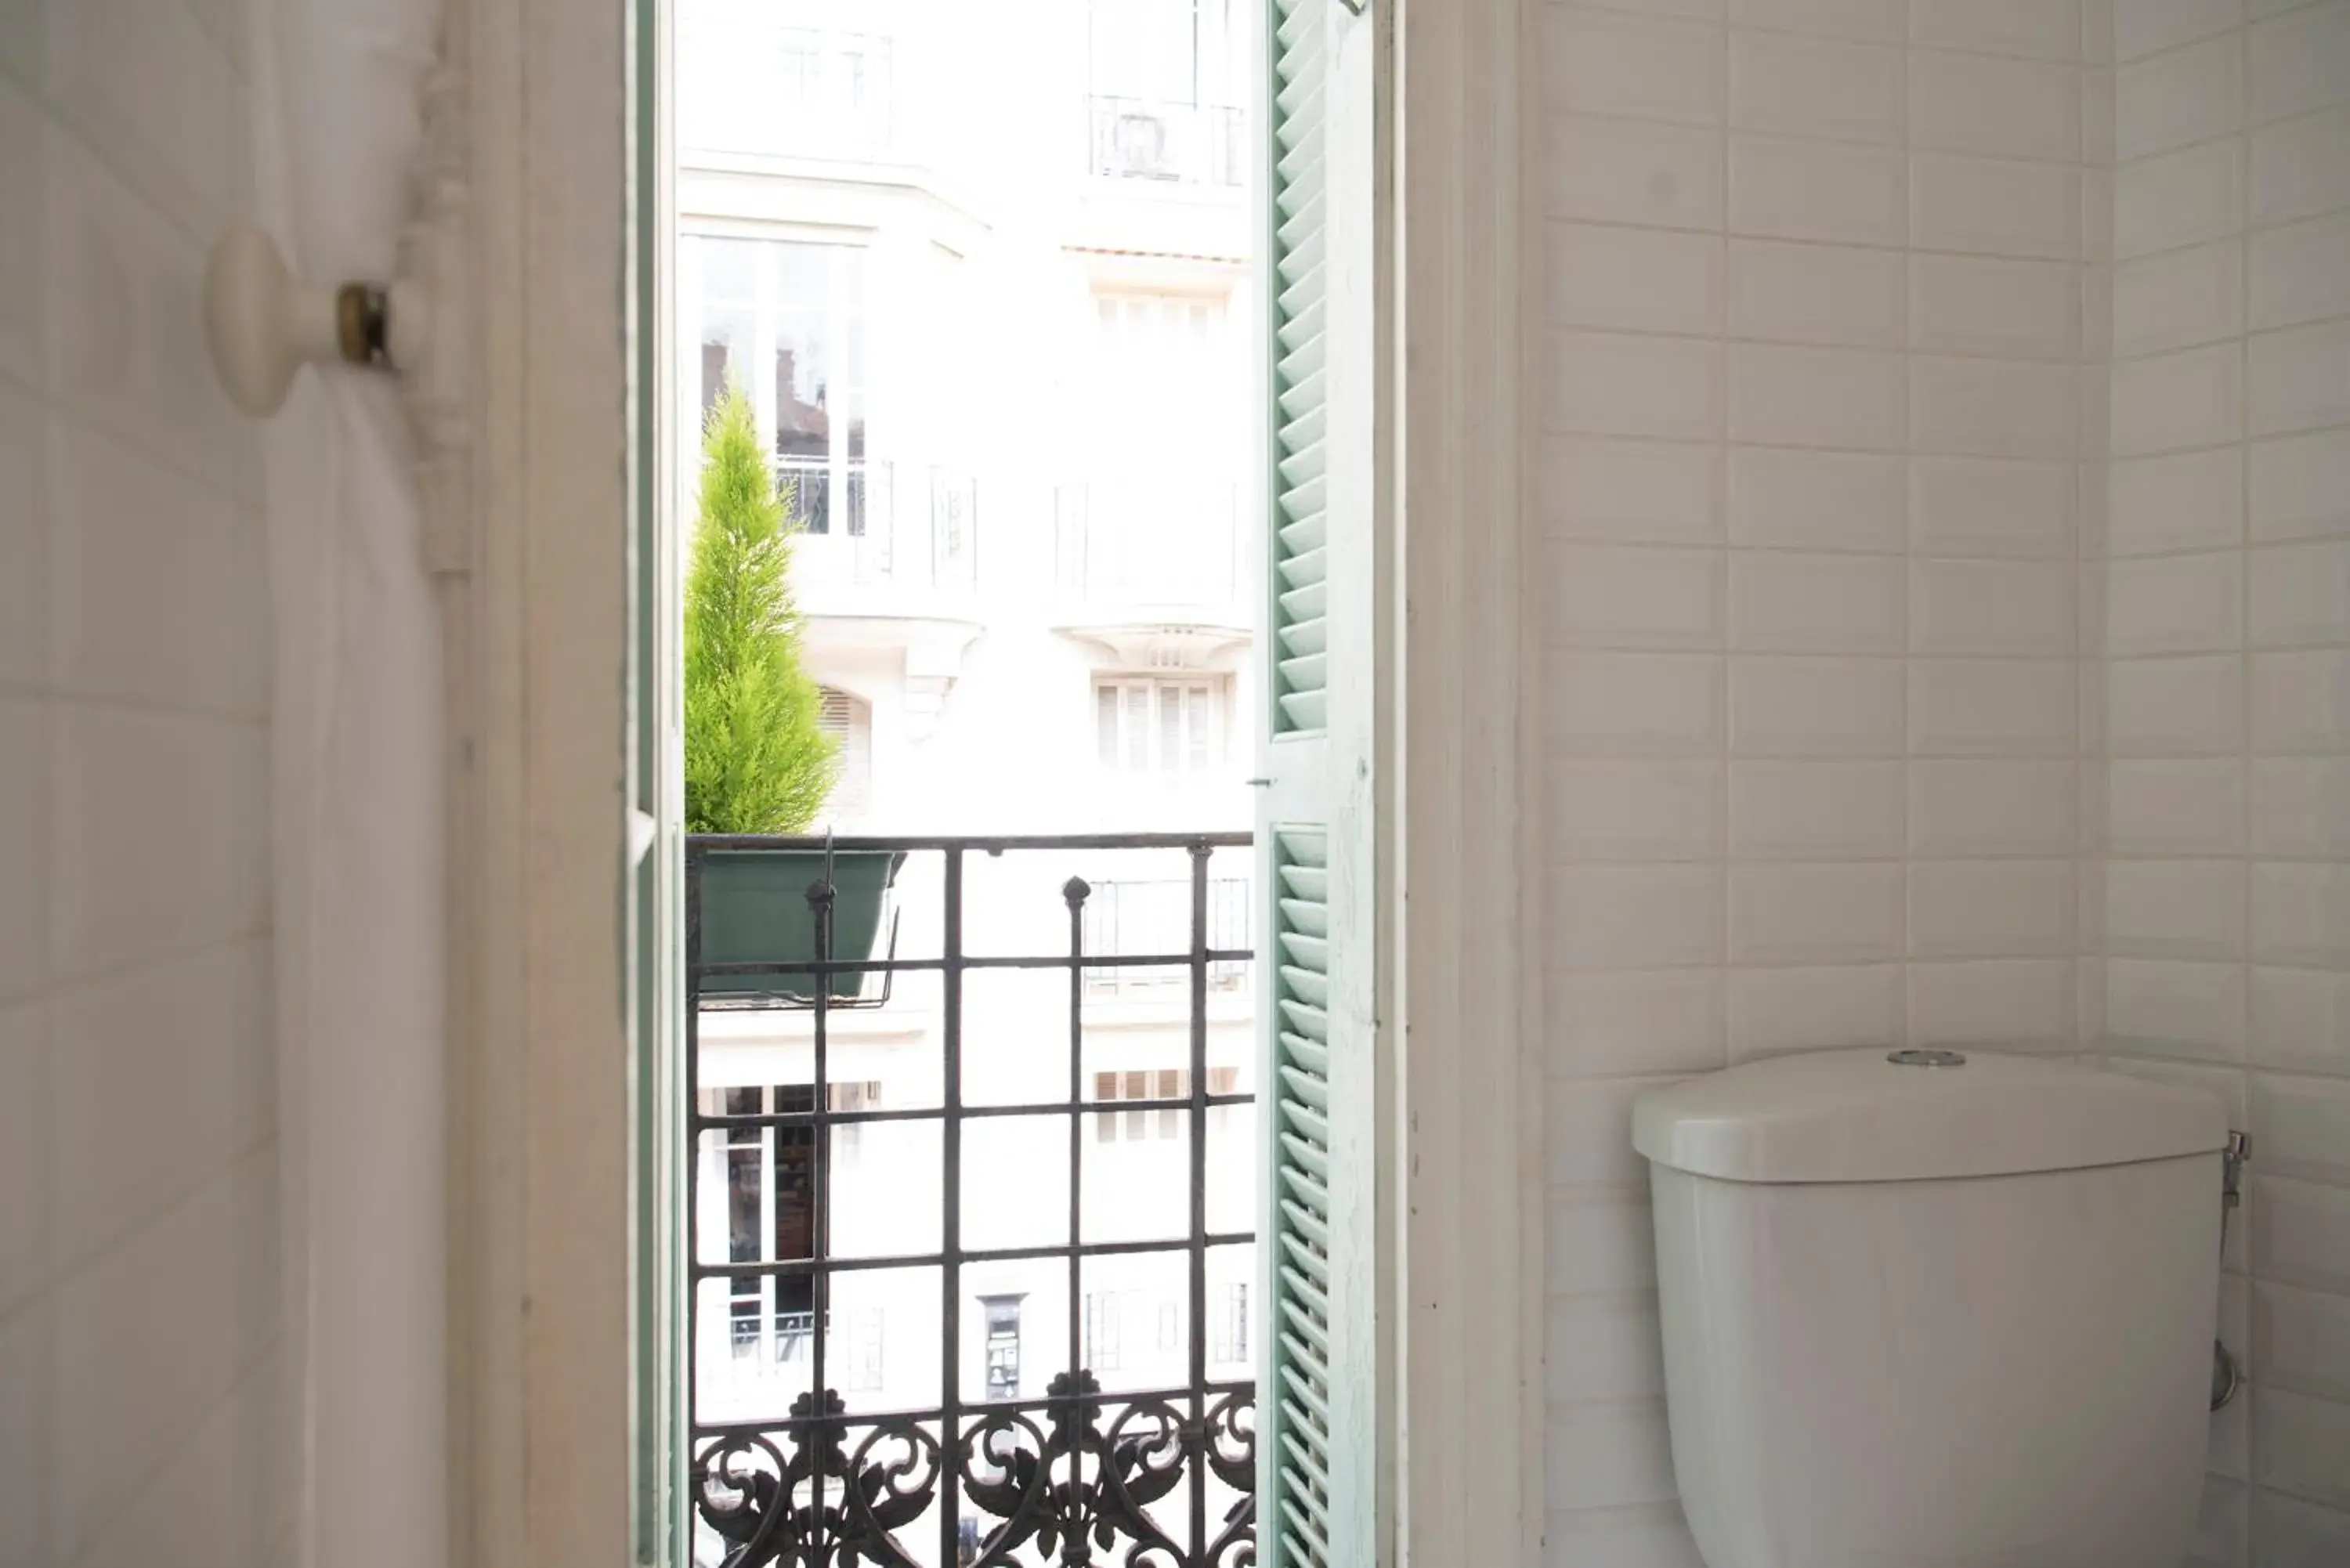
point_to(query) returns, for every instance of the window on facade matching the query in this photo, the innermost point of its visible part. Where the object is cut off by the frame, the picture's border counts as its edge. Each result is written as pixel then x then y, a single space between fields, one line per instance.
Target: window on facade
pixel 1153 917
pixel 848 721
pixel 785 320
pixel 1104 1349
pixel 1163 1121
pixel 1167 729
pixel 1166 79
pixel 769 1215
pixel 1228 1331
pixel 1003 1345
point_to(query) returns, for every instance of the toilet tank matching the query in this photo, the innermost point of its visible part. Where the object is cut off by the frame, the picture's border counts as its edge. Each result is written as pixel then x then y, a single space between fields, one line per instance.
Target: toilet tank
pixel 1926 1310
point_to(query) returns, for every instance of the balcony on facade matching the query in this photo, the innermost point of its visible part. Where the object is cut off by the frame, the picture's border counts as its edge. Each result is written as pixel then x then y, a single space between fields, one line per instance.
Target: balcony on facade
pixel 881 540
pixel 973 1202
pixel 1160 552
pixel 1170 143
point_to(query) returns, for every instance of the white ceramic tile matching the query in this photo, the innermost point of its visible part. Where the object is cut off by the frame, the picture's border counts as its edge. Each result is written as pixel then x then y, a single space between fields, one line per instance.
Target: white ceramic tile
pixel 2301 1126
pixel 129 1378
pixel 2039 29
pixel 183 1034
pixel 1642 917
pixel 1619 171
pixel 2175 1009
pixel 2012 1004
pixel 2300 272
pixel 25 1058
pixel 2222 1526
pixel 1640 67
pixel 1837 295
pixel 1638 1535
pixel 2098 90
pixel 204 1507
pixel 1993 305
pixel 1794 86
pixel 1781 601
pixel 1609 1453
pixel 127 347
pixel 2186 501
pixel 1589 1123
pixel 1815 397
pixel 1667 1021
pixel 2018 608
pixel 1783 188
pixel 1990 909
pixel 2230 1087
pixel 1991 707
pixel 162 834
pixel 2299 378
pixel 2000 108
pixel 1649 810
pixel 26 807
pixel 1637 492
pixel 1877 19
pixel 23 140
pixel 147 85
pixel 2298 167
pixel 2179 99
pixel 1604 1348
pixel 2290 1533
pixel 1816 913
pixel 2175 806
pixel 2300 1020
pixel 1991 408
pixel 2301 914
pixel 2301 1233
pixel 2098 218
pixel 2098 31
pixel 2176 603
pixel 2178 298
pixel 2301 702
pixel 1995 206
pixel 2300 595
pixel 2184 197
pixel 2175 908
pixel 2301 62
pixel 2143 27
pixel 2173 401
pixel 1626 597
pixel 2303 1445
pixel 2301 807
pixel 1634 280
pixel 1601 1244
pixel 1991 807
pixel 1815 811
pixel 26 1487
pixel 23 541
pixel 161 585
pixel 1815 707
pixel 2304 1339
pixel 1773 1012
pixel 2300 486
pixel 1992 506
pixel 1611 383
pixel 2175 707
pixel 1635 705
pixel 1815 500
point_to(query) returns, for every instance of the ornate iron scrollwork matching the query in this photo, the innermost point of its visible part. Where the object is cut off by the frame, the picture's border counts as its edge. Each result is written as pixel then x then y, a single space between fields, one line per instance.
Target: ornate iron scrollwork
pixel 1072 1492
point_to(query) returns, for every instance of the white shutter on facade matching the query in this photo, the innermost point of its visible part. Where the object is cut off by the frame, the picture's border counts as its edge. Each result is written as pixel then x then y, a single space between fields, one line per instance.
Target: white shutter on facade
pixel 1321 1409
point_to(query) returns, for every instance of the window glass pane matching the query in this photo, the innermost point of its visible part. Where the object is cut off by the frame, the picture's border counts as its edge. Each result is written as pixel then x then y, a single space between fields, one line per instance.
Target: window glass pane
pixel 1138 728
pixel 1106 723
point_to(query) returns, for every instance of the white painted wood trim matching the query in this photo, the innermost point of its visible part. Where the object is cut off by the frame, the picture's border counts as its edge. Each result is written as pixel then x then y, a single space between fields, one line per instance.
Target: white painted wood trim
pixel 536 617
pixel 1469 808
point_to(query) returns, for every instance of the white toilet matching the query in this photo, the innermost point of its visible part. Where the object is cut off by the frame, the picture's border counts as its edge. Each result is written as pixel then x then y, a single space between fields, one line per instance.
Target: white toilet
pixel 1934 1310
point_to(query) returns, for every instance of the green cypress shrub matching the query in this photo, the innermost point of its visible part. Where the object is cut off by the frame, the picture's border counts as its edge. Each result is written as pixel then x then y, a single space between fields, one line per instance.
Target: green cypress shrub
pixel 756 760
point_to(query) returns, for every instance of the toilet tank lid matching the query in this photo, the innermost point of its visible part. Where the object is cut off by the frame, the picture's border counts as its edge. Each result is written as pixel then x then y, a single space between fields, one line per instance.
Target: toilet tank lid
pixel 1865 1115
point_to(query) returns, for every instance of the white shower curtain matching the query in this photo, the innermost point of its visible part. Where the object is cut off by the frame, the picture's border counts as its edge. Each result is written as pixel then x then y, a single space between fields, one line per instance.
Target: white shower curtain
pixel 358 813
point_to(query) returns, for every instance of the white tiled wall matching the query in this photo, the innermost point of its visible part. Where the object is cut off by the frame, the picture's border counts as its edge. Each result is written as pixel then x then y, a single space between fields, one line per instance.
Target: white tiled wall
pixel 2226 901
pixel 138 1204
pixel 1827 312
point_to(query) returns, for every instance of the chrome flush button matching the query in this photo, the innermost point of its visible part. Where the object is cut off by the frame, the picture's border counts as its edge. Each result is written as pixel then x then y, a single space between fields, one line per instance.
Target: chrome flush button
pixel 1926 1059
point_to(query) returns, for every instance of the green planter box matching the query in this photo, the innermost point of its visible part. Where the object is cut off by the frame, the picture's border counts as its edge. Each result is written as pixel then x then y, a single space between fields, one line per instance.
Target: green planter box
pixel 755 910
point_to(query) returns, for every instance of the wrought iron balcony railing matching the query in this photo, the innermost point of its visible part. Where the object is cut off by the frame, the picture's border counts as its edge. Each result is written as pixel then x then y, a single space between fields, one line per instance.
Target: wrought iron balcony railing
pixel 873 523
pixel 971 1286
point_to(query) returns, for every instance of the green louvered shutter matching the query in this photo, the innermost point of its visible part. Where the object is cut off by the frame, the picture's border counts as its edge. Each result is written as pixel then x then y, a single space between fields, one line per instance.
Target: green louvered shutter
pixel 1320 1416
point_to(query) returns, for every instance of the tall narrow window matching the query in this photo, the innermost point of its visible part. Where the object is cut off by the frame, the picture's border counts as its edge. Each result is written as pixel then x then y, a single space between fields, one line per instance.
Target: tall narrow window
pixel 848 720
pixel 1168 730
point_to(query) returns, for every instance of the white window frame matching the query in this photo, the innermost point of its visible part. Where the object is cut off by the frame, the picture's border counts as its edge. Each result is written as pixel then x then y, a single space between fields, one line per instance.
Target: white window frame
pixel 1129 738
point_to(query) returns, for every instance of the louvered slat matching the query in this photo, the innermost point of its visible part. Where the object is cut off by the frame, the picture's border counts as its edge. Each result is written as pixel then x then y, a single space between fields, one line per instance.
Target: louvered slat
pixel 1300 385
